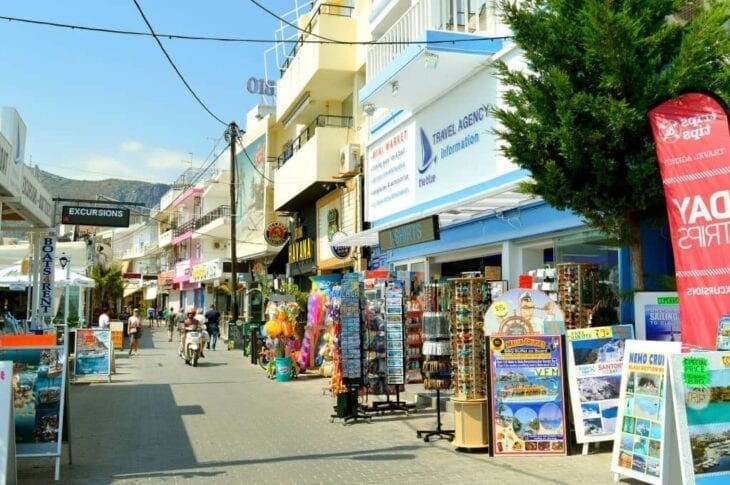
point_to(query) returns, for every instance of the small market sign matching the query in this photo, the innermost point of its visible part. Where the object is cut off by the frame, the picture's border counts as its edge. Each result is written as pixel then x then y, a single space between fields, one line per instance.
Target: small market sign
pixel 95 216
pixel 416 232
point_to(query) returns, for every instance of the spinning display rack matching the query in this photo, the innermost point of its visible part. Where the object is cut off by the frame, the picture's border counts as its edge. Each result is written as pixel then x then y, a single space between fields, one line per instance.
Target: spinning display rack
pixel 436 352
pixel 470 299
pixel 577 292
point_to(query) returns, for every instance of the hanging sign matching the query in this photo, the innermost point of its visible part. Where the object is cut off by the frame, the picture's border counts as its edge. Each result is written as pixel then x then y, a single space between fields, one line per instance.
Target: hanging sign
pixel 692 146
pixel 595 358
pixel 701 386
pixel 47 276
pixel 644 444
pixel 528 402
pixel 93 352
pixel 276 234
pixel 95 216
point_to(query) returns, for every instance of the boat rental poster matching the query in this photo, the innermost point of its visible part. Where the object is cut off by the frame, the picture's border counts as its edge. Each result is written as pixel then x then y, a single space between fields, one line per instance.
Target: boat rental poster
pixel 595 358
pixel 528 404
pixel 701 384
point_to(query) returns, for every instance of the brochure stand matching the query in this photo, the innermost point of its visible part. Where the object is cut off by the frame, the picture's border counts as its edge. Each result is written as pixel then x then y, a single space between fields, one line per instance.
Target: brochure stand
pixel 446 434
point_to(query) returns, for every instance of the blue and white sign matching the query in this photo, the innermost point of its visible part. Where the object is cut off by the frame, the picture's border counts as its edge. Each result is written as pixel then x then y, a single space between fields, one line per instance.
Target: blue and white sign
pixel 47 276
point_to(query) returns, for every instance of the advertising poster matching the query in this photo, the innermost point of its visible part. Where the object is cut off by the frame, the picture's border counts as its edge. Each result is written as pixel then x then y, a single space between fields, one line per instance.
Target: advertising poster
pixel 643 442
pixel 692 143
pixel 7 428
pixel 522 311
pixel 657 316
pixel 701 385
pixel 595 358
pixel 528 403
pixel 93 352
pixel 38 383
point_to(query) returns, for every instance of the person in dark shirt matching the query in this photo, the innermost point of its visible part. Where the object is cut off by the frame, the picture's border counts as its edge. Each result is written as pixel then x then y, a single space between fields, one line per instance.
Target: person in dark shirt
pixel 212 322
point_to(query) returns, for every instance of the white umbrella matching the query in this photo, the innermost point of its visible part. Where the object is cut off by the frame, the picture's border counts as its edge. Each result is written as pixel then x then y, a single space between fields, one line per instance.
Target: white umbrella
pixel 11 276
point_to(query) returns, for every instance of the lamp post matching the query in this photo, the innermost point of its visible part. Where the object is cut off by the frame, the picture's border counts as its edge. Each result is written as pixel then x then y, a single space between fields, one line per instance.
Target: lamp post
pixel 65 262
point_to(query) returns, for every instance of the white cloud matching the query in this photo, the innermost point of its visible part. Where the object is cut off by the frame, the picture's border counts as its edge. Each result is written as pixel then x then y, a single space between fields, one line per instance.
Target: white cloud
pixel 130 146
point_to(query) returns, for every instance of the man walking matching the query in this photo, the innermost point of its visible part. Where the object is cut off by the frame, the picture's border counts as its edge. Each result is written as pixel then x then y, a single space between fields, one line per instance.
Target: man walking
pixel 212 321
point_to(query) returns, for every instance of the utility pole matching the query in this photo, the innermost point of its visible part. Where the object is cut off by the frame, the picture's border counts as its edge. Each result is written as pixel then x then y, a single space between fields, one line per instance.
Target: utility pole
pixel 231 137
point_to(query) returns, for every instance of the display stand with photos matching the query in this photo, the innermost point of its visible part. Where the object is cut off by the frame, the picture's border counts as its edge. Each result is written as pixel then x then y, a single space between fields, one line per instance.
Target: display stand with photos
pixel 701 387
pixel 527 395
pixel 414 357
pixel 347 327
pixel 437 352
pixel 595 358
pixel 470 298
pixel 39 383
pixel 645 441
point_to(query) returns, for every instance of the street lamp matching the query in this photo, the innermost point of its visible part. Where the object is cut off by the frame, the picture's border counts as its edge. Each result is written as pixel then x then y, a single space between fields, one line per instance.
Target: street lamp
pixel 65 262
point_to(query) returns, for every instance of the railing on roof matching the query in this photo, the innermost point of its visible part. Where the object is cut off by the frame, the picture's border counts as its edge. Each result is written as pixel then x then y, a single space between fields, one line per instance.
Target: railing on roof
pixel 320 121
pixel 322 9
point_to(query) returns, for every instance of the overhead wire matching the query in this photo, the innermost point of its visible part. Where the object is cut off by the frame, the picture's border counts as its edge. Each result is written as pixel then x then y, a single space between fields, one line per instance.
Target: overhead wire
pixel 296 27
pixel 172 63
pixel 103 30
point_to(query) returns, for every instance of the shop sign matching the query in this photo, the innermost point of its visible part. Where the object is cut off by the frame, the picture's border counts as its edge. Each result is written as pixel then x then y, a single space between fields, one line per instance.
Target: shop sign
pixel 302 249
pixel 47 276
pixel 416 232
pixel 276 234
pixel 206 271
pixel 340 252
pixel 95 216
pixel 165 278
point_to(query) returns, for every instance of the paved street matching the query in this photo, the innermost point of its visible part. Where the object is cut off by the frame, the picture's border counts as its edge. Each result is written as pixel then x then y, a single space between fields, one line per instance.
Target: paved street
pixel 160 421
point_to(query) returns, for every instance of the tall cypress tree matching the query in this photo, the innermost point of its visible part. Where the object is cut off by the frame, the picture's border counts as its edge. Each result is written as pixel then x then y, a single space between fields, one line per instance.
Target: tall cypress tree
pixel 577 116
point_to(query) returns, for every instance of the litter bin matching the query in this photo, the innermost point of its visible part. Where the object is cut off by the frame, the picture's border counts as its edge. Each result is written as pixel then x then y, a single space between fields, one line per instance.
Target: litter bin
pixel 253 339
pixel 247 328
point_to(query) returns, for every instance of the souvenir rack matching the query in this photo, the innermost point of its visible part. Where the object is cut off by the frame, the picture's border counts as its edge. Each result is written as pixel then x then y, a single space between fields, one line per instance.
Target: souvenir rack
pixel 577 292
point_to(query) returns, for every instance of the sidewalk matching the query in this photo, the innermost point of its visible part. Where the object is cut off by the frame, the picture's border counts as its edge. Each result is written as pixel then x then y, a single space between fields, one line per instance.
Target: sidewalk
pixel 160 421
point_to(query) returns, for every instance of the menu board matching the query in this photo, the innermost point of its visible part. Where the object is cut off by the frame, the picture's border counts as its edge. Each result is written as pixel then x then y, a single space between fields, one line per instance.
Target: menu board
pixel 595 359
pixel 92 352
pixel 645 435
pixel 701 385
pixel 528 403
pixel 394 334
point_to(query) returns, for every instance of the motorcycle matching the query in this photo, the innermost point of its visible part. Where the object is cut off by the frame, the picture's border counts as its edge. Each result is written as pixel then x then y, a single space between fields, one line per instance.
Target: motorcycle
pixel 193 345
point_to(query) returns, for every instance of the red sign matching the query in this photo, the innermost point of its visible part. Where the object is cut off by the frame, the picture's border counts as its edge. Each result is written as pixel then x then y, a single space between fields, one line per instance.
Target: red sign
pixel 692 145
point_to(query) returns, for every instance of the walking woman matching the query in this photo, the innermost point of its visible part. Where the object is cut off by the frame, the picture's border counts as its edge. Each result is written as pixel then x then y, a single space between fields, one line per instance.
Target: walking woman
pixel 134 328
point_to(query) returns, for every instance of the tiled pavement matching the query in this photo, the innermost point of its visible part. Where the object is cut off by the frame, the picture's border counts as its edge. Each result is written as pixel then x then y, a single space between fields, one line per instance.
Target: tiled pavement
pixel 160 421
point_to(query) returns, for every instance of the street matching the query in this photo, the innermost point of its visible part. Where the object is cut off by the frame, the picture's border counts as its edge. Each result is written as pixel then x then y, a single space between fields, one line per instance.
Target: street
pixel 161 421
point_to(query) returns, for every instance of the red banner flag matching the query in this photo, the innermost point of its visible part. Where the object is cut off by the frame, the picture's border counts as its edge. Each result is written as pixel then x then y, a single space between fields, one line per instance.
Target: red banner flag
pixel 692 145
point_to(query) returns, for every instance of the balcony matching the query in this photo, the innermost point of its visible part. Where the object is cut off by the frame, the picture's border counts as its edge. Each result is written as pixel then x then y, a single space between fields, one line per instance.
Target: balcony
pixel 452 46
pixel 311 161
pixel 216 223
pixel 165 239
pixel 314 72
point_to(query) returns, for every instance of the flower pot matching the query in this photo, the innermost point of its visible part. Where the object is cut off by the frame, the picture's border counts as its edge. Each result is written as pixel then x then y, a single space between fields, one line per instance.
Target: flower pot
pixel 283 369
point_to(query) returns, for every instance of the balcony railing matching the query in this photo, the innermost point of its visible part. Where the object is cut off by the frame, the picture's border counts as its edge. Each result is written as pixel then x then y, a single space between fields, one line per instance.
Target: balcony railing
pixel 322 9
pixel 320 121
pixel 198 222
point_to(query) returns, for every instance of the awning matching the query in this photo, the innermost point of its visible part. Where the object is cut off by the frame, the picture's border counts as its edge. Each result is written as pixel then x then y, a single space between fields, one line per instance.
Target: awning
pixel 497 200
pixel 150 293
pixel 278 264
pixel 131 289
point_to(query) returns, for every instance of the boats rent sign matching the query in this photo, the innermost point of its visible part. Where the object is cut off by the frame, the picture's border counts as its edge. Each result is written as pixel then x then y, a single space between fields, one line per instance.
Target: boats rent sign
pixel 47 275
pixel 692 145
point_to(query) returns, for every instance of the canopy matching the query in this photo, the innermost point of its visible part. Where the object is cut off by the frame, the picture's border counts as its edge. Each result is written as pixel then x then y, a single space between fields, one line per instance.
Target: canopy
pixel 11 276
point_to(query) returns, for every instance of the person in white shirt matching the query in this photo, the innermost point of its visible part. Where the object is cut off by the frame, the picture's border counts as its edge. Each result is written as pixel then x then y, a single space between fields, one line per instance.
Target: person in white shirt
pixel 104 318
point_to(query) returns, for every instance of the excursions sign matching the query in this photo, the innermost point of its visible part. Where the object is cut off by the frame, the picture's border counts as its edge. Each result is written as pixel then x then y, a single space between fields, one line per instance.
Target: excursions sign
pixel 95 216
pixel 692 144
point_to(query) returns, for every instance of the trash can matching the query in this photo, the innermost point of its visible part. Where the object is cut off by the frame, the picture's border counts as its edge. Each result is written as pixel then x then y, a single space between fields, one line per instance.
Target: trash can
pixel 253 337
pixel 248 328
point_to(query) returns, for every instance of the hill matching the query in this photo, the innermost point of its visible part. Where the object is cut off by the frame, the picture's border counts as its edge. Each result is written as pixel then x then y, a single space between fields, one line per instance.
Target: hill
pixel 114 189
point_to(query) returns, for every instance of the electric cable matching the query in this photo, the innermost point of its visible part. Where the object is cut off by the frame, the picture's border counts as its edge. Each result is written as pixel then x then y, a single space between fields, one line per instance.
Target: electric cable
pixel 169 59
pixel 296 27
pixel 245 40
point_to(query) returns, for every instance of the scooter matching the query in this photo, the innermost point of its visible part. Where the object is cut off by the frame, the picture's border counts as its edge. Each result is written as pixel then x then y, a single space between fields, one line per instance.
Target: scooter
pixel 193 346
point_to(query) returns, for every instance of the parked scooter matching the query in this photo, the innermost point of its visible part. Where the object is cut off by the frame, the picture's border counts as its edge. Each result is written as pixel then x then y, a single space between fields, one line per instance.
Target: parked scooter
pixel 193 344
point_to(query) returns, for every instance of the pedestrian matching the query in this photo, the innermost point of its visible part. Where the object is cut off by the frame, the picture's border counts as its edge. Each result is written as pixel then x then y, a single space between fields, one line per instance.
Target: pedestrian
pixel 212 321
pixel 104 317
pixel 200 318
pixel 160 314
pixel 151 315
pixel 134 329
pixel 171 323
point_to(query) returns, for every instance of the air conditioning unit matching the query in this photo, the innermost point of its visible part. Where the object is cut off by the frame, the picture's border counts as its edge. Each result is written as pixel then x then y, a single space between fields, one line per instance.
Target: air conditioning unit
pixel 350 158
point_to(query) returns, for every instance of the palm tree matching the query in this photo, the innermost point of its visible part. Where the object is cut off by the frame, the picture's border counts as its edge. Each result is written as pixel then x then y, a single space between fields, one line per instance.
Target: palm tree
pixel 109 283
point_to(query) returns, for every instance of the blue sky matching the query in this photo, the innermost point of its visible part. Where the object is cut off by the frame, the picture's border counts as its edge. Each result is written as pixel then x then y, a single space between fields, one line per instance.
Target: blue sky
pixel 102 106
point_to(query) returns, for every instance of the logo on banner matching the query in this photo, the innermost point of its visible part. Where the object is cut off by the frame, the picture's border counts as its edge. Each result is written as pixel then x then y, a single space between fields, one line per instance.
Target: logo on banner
pixel 692 143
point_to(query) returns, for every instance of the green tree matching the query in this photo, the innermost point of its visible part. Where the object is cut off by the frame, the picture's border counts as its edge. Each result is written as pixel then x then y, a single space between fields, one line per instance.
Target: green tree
pixel 576 118
pixel 109 283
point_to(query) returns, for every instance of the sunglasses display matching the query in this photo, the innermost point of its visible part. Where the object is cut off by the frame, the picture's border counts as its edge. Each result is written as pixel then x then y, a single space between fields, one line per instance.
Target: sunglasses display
pixel 577 292
pixel 437 363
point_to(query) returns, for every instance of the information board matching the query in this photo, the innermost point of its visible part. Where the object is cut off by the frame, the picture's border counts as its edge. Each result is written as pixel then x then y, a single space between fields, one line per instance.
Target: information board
pixel 645 441
pixel 527 395
pixel 595 360
pixel 92 352
pixel 235 337
pixel 701 385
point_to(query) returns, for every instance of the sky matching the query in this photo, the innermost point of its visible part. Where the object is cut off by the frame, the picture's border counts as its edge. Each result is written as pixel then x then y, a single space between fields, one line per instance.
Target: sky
pixel 99 105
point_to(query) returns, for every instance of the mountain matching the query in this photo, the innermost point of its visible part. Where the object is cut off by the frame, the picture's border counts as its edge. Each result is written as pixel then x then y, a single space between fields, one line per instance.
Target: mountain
pixel 114 189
